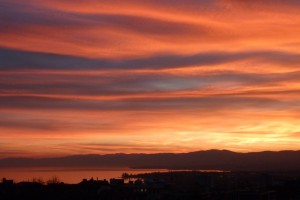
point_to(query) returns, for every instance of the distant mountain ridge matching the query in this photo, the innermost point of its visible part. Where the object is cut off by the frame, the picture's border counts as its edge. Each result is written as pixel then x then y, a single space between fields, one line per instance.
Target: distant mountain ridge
pixel 202 160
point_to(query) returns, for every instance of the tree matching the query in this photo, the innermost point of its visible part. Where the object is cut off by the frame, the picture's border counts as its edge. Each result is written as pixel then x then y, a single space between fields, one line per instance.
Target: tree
pixel 53 180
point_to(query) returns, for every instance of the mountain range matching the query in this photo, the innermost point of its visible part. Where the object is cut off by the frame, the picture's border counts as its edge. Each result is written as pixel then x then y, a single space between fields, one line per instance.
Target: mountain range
pixel 199 160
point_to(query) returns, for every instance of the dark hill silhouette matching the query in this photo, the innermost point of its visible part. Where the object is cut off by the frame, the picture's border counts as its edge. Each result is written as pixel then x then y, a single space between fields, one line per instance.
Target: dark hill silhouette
pixel 211 159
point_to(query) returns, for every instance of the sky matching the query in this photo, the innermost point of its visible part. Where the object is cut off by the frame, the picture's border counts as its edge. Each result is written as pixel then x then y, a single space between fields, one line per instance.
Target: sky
pixel 131 76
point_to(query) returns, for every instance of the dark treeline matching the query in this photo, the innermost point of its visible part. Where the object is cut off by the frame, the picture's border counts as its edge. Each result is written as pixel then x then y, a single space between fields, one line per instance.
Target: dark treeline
pixel 176 185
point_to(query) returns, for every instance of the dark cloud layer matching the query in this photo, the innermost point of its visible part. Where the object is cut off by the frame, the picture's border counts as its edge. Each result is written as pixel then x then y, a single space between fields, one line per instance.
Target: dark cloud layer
pixel 197 103
pixel 134 83
pixel 21 60
pixel 17 16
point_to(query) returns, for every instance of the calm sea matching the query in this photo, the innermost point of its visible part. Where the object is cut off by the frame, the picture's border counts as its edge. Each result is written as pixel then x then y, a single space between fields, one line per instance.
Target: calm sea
pixel 67 175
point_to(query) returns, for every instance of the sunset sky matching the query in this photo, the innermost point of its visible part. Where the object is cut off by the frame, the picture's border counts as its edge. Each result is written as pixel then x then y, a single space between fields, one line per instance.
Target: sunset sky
pixel 132 76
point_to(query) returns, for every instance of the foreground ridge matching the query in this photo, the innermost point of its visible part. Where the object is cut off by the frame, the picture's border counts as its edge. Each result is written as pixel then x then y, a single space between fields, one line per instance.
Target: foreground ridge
pixel 162 185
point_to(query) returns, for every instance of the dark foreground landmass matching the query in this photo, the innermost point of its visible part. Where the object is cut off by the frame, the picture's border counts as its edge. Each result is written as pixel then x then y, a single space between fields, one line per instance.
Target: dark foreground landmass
pixel 211 159
pixel 184 185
